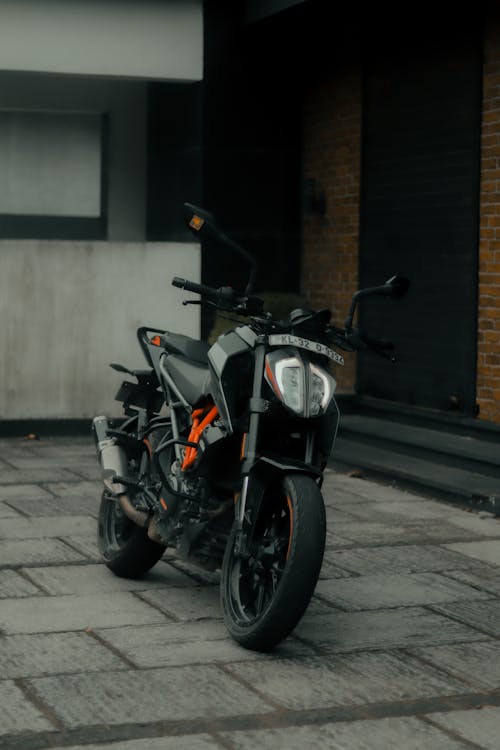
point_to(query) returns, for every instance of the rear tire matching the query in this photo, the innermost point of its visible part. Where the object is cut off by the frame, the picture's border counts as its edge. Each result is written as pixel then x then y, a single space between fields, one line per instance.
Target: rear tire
pixel 264 596
pixel 125 547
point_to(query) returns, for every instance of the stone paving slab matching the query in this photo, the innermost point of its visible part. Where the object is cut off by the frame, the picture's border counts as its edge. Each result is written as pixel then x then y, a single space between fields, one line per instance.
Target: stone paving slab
pixel 55 506
pixel 11 492
pixel 484 615
pixel 401 511
pixel 85 545
pixel 71 447
pixel 62 613
pixel 192 742
pixel 14 553
pixel 330 570
pixel 76 489
pixel 180 693
pixel 487 526
pixel 18 714
pixel 200 603
pixel 15 586
pixel 481 727
pixel 336 541
pixel 483 577
pixel 382 629
pixel 129 640
pixel 54 653
pixel 7 511
pixel 63 461
pixel 367 533
pixel 90 471
pixel 488 552
pixel 193 603
pixel 478 663
pixel 96 579
pixel 343 486
pixel 41 528
pixel 370 532
pixel 382 734
pixel 349 679
pixel 385 590
pixel 405 558
pixel 195 642
pixel 39 476
pixel 115 661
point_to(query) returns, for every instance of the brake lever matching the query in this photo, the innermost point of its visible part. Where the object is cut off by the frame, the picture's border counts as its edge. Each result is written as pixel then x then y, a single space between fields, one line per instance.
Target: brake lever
pixel 192 302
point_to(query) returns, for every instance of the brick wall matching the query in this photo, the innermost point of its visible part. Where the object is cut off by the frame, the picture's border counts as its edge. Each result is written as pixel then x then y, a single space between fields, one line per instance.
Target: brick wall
pixel 488 354
pixel 332 155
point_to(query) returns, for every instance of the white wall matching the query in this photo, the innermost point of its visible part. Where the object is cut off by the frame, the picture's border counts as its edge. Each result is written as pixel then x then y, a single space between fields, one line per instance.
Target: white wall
pixel 150 39
pixel 67 309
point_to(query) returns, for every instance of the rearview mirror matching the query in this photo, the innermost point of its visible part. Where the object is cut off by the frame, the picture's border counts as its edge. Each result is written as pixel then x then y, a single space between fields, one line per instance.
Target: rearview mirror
pixel 202 221
pixel 397 286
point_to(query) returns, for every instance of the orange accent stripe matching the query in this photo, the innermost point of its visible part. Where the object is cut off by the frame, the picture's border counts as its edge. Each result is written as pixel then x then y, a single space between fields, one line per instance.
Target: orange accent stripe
pixel 290 509
pixel 243 444
pixel 195 434
pixel 163 504
pixel 148 446
pixel 271 377
pixel 156 340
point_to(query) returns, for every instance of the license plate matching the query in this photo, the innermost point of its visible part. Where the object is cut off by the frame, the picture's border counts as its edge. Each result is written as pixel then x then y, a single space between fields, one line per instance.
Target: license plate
pixel 285 339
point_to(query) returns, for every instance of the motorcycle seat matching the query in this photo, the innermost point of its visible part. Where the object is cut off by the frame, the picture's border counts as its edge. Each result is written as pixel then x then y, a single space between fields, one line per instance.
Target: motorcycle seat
pixel 177 343
pixel 191 378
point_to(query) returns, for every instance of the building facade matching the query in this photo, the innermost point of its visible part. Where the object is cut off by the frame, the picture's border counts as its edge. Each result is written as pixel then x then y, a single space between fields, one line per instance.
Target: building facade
pixel 399 173
pixel 99 113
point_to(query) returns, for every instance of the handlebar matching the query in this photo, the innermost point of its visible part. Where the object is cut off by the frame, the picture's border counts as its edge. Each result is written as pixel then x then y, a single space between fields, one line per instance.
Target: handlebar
pixel 192 286
pixel 225 297
pixel 353 341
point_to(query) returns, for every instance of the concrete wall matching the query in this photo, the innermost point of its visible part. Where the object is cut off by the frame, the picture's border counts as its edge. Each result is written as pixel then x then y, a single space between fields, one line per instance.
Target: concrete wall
pixel 125 103
pixel 67 309
pixel 148 39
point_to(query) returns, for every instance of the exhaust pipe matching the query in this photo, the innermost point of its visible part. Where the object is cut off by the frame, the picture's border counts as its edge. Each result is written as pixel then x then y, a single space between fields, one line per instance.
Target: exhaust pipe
pixel 111 457
pixel 137 516
pixel 114 463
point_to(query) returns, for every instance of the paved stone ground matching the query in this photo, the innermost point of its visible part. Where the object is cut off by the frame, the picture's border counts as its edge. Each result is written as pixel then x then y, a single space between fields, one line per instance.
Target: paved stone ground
pixel 399 649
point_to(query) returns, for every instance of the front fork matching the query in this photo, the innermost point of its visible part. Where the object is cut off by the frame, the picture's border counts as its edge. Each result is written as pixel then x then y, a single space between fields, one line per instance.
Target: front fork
pixel 258 406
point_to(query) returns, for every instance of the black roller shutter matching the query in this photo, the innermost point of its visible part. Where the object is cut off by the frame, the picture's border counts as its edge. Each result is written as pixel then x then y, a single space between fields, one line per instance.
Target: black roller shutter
pixel 419 217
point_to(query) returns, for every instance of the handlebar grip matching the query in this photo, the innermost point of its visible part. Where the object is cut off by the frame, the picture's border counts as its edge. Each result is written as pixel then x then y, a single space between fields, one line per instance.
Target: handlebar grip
pixel 192 286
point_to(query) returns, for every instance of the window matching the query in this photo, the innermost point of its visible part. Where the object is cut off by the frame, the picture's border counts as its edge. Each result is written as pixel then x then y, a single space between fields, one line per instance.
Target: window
pixel 52 174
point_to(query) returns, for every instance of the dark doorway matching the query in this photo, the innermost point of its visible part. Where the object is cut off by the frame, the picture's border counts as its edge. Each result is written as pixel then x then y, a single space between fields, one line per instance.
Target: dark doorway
pixel 419 217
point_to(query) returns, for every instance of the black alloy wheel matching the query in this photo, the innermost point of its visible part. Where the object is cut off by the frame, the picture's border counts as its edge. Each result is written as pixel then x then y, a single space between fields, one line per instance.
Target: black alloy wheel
pixel 265 593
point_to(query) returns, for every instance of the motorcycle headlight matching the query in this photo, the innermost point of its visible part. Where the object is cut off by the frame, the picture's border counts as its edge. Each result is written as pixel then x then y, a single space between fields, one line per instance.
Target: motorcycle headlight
pixel 321 389
pixel 304 388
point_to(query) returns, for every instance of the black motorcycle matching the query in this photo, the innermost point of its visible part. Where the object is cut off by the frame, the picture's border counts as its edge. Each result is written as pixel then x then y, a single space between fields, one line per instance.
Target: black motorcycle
pixel 222 451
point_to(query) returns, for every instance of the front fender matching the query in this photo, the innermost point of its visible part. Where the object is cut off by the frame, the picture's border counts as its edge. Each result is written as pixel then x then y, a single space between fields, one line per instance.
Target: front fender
pixel 268 469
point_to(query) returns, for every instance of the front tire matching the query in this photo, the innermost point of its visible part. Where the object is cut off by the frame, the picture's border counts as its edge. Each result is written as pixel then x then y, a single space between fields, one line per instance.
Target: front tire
pixel 265 594
pixel 125 547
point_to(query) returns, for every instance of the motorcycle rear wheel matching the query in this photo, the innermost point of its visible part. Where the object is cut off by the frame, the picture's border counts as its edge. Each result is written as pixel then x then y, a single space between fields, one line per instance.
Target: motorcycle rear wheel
pixel 125 547
pixel 264 595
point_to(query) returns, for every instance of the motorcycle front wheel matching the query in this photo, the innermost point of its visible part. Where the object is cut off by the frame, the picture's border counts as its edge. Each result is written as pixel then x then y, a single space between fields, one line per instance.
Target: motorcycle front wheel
pixel 265 593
